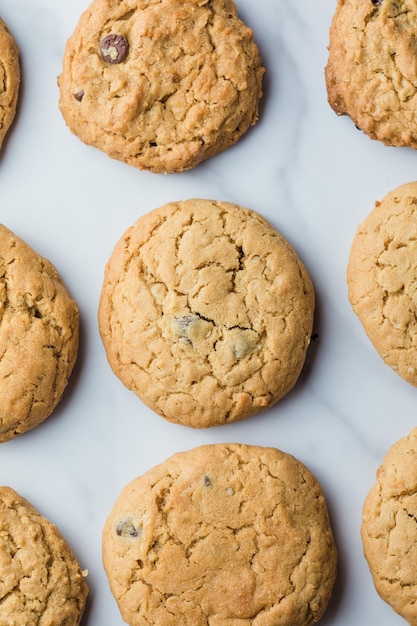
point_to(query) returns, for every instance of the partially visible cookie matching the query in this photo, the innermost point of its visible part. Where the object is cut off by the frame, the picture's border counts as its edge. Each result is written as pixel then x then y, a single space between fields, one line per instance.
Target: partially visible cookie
pixel 381 278
pixel 40 579
pixel 161 85
pixel 9 79
pixel 371 73
pixel 389 529
pixel 221 534
pixel 39 329
pixel 206 312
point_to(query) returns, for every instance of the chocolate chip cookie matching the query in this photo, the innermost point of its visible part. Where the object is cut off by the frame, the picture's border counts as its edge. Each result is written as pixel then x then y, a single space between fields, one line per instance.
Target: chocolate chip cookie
pixel 38 336
pixel 381 279
pixel 161 85
pixel 41 580
pixel 9 79
pixel 221 534
pixel 389 529
pixel 371 73
pixel 206 312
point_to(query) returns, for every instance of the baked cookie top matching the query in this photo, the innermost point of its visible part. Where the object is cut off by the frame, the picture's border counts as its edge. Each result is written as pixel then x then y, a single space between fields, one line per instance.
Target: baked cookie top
pixel 221 534
pixel 206 312
pixel 9 79
pixel 41 580
pixel 161 84
pixel 389 530
pixel 381 278
pixel 38 336
pixel 372 68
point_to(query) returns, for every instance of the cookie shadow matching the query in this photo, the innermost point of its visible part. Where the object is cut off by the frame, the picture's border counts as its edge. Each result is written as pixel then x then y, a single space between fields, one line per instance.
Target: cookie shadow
pixel 339 588
pixel 20 99
pixel 76 373
pixel 312 353
pixel 314 347
pixel 88 605
pixel 266 88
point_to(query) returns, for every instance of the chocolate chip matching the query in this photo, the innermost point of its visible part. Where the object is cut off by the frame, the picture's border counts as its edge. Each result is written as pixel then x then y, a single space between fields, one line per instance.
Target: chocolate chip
pixel 79 95
pixel 125 528
pixel 207 481
pixel 183 325
pixel 377 2
pixel 185 321
pixel 114 48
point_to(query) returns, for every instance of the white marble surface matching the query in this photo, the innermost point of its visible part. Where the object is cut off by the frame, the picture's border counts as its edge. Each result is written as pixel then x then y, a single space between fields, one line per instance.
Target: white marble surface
pixel 315 177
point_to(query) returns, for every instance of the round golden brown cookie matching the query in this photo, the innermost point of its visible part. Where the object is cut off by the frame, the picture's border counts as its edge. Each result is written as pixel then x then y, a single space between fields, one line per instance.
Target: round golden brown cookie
pixel 161 85
pixel 372 68
pixel 389 529
pixel 38 336
pixel 221 534
pixel 9 79
pixel 381 279
pixel 41 580
pixel 206 312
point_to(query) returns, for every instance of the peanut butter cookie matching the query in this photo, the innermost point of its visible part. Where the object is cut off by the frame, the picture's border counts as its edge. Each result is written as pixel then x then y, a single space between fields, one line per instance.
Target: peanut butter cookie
pixel 221 534
pixel 371 73
pixel 389 529
pixel 206 312
pixel 9 79
pixel 41 580
pixel 161 85
pixel 381 279
pixel 38 336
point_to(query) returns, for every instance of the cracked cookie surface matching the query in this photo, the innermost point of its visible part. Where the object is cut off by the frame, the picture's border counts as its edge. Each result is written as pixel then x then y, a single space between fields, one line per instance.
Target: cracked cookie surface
pixel 9 79
pixel 161 84
pixel 38 336
pixel 206 312
pixel 40 579
pixel 221 534
pixel 371 73
pixel 389 528
pixel 381 278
